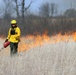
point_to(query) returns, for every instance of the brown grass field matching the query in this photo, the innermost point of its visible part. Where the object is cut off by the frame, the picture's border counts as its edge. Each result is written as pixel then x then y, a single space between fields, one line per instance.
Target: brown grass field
pixel 56 58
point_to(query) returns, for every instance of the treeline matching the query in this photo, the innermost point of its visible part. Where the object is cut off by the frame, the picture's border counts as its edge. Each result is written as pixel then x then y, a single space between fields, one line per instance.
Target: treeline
pixel 38 25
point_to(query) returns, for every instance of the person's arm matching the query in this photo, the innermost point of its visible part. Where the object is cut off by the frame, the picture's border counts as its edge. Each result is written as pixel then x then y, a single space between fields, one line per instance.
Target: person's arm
pixel 18 32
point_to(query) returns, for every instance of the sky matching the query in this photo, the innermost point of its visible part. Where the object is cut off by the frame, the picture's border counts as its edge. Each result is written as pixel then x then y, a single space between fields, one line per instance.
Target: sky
pixel 62 4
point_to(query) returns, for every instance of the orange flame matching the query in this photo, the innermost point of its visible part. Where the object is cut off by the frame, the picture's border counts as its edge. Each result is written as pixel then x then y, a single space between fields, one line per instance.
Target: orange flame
pixel 74 36
pixel 31 41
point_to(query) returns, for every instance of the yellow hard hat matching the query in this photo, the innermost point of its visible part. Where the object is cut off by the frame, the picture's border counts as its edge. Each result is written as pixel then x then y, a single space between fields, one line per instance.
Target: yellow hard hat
pixel 13 22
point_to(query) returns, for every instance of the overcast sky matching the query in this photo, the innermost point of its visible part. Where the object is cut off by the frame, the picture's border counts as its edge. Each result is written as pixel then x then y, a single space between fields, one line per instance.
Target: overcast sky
pixel 62 4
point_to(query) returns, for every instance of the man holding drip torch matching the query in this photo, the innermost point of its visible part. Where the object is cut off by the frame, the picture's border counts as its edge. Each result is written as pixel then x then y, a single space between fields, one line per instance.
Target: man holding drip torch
pixel 13 37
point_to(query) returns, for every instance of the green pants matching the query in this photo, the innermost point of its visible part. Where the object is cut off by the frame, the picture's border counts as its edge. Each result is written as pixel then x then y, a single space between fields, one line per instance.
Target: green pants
pixel 13 48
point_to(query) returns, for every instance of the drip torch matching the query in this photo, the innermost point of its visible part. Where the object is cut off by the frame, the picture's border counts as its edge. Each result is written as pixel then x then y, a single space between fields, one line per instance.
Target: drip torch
pixel 5 44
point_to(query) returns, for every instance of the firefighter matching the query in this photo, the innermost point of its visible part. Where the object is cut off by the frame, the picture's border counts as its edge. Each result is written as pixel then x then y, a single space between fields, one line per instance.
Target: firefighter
pixel 13 37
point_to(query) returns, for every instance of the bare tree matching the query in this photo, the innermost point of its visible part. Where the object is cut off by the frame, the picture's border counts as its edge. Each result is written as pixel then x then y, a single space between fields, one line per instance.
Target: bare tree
pixel 25 8
pixel 17 8
pixel 44 10
pixel 53 8
pixel 70 13
pixel 47 9
pixel 8 8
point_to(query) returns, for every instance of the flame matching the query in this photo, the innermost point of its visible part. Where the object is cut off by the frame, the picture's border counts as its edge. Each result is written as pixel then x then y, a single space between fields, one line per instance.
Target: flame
pixel 74 36
pixel 31 41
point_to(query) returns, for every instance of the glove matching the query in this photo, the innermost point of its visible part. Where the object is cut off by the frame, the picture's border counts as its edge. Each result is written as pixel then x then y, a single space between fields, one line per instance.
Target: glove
pixel 6 40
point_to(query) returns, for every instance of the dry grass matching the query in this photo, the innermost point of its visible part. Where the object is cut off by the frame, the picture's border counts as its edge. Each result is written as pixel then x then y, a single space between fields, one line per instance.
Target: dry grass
pixel 49 59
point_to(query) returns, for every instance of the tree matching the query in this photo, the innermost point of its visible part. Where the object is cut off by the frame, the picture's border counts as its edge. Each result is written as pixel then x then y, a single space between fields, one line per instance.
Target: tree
pixel 53 8
pixel 24 8
pixel 70 13
pixel 44 10
pixel 8 8
pixel 48 9
pixel 17 8
pixel 14 7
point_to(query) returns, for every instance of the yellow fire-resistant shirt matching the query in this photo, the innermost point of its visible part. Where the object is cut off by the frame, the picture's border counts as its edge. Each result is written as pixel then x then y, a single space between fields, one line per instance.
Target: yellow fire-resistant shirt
pixel 16 37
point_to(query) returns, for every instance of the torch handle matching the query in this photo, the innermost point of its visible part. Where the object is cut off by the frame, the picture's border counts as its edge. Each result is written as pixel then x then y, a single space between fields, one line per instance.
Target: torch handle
pixel 1 48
